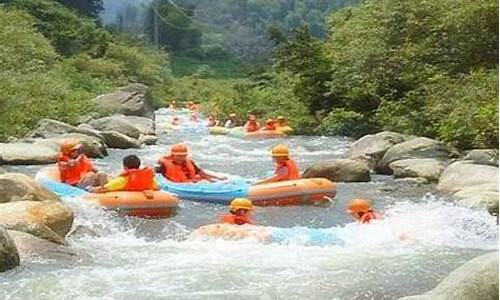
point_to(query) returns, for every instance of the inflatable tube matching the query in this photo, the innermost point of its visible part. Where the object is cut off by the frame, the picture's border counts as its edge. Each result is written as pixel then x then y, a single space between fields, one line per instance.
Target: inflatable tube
pixel 239 132
pixel 285 236
pixel 147 204
pixel 294 192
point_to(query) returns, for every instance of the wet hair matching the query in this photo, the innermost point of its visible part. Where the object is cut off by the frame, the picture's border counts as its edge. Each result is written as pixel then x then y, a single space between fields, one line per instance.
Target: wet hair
pixel 131 162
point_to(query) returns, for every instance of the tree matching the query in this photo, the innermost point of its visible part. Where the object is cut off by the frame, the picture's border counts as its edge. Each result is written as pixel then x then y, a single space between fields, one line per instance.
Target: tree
pixel 91 8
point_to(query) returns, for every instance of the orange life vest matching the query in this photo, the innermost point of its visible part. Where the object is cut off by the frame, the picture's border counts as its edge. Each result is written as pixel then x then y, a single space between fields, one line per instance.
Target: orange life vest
pixel 251 126
pixel 139 179
pixel 293 172
pixel 235 220
pixel 185 172
pixel 73 175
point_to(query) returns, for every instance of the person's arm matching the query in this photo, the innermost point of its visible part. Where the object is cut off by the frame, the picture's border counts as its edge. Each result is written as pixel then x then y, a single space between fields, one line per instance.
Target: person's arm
pixel 156 185
pixel 115 184
pixel 206 174
pixel 278 176
pixel 84 159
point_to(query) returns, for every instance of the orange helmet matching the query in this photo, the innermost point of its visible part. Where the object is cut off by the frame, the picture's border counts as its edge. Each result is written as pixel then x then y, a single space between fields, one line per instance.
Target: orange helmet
pixel 179 149
pixel 280 151
pixel 359 206
pixel 69 145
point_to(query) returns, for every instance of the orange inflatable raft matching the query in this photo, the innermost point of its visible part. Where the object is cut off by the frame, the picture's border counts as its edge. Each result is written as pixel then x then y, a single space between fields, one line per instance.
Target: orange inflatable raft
pixel 147 204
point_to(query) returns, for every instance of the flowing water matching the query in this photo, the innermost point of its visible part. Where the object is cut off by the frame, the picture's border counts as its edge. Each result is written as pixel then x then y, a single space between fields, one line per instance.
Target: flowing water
pixel 420 240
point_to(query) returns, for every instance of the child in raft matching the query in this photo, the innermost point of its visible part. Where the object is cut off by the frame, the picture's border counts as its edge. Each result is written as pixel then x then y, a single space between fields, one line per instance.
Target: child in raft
pixel 361 210
pixel 133 179
pixel 239 212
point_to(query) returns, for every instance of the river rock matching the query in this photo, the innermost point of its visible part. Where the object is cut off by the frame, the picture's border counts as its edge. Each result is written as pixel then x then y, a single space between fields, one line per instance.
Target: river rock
pixel 145 126
pixel 118 124
pixel 427 168
pixel 27 154
pixel 31 247
pixel 9 257
pixel 132 99
pixel 148 139
pixel 49 219
pixel 92 146
pixel 415 148
pixel 48 128
pixel 340 170
pixel 482 157
pixel 2 171
pixel 117 140
pixel 374 145
pixel 460 175
pixel 475 280
pixel 21 187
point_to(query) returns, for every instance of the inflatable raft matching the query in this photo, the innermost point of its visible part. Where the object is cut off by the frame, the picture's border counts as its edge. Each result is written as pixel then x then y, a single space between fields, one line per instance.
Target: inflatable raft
pixel 241 133
pixel 147 204
pixel 310 191
pixel 296 235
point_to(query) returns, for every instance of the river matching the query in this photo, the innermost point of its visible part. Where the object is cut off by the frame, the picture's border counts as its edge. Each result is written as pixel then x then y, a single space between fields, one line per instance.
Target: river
pixel 157 259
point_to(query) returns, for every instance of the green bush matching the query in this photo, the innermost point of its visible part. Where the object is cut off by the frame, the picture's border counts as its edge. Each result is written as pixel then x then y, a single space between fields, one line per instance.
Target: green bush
pixel 345 123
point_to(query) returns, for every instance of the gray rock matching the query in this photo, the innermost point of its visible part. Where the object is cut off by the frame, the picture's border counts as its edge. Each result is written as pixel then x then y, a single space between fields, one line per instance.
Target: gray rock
pixel 374 145
pixel 415 148
pixel 48 128
pixel 340 170
pixel 412 180
pixel 2 171
pixel 118 124
pixel 148 139
pixel 482 157
pixel 92 146
pixel 9 257
pixel 82 231
pixel 428 168
pixel 478 196
pixel 27 154
pixel 460 175
pixel 475 280
pixel 132 99
pixel 145 126
pixel 21 187
pixel 117 140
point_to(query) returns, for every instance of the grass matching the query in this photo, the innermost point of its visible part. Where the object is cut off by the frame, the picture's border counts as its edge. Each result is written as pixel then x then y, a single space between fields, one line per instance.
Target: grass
pixel 220 69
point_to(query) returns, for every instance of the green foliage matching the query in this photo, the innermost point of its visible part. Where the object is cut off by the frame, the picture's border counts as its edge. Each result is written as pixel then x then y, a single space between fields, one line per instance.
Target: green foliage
pixel 91 8
pixel 345 123
pixel 222 68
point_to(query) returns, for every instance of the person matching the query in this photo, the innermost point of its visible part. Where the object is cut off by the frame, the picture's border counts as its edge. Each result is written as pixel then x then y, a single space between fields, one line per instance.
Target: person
pixel 175 121
pixel 286 168
pixel 133 179
pixel 252 125
pixel 194 117
pixel 239 212
pixel 361 210
pixel 270 125
pixel 212 121
pixel 231 123
pixel 173 105
pixel 76 168
pixel 192 106
pixel 177 167
pixel 281 121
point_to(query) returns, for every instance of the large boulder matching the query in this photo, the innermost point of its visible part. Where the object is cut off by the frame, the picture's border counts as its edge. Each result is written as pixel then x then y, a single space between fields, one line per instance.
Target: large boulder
pixel 340 170
pixel 132 100
pixel 117 140
pixel 50 220
pixel 118 124
pixel 27 154
pixel 148 139
pixel 21 187
pixel 460 175
pixel 420 147
pixel 374 145
pixel 145 126
pixel 482 157
pixel 427 168
pixel 9 257
pixel 48 128
pixel 92 146
pixel 31 247
pixel 475 280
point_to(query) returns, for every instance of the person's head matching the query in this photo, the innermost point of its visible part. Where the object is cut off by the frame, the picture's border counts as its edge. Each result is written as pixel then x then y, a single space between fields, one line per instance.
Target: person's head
pixel 179 153
pixel 280 153
pixel 269 123
pixel 131 162
pixel 232 116
pixel 211 118
pixel 281 120
pixel 240 206
pixel 358 207
pixel 71 148
pixel 173 102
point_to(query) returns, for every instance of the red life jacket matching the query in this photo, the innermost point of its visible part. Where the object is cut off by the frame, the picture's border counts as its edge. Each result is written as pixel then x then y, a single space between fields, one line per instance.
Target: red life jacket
pixel 293 172
pixel 185 172
pixel 235 220
pixel 368 216
pixel 251 126
pixel 73 175
pixel 139 179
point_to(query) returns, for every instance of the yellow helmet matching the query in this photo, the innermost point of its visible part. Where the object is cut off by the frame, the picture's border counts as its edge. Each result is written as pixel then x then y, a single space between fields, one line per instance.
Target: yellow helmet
pixel 69 145
pixel 241 203
pixel 359 206
pixel 280 151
